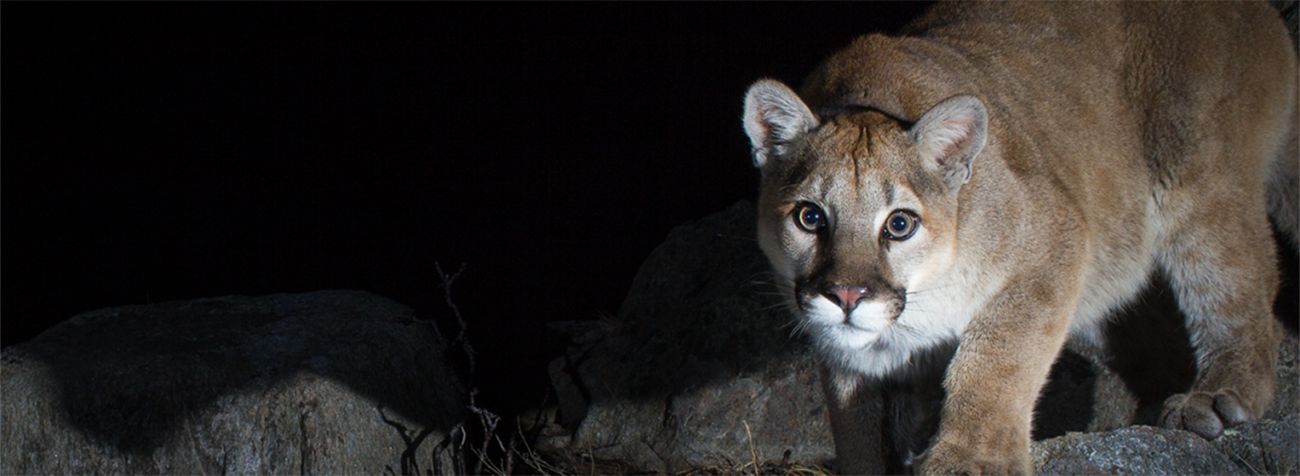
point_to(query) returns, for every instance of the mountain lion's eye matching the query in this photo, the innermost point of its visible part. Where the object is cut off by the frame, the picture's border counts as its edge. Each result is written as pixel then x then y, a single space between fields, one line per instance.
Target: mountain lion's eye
pixel 810 218
pixel 901 225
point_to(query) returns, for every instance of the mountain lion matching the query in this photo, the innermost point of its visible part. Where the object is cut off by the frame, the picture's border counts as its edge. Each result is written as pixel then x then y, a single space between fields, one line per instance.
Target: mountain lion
pixel 1009 174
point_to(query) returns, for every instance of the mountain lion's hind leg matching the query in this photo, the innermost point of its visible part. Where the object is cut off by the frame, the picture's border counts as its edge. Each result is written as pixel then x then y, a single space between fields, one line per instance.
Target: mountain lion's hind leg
pixel 1220 259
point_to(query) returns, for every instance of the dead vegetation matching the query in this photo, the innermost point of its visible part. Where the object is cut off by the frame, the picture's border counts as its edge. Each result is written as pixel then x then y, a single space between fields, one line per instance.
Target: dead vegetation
pixel 484 444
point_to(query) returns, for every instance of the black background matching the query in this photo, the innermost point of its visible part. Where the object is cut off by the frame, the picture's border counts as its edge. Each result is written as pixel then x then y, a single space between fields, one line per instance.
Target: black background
pixel 156 152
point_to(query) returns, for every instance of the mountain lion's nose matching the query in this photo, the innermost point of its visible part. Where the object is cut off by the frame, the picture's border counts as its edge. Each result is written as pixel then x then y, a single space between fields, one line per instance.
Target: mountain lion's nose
pixel 847 296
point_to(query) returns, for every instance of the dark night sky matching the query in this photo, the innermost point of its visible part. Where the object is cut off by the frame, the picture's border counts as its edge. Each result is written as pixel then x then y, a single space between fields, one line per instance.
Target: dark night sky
pixel 156 152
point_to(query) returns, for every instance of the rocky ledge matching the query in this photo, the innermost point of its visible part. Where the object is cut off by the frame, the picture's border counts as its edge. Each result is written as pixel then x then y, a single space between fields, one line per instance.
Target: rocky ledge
pixel 339 382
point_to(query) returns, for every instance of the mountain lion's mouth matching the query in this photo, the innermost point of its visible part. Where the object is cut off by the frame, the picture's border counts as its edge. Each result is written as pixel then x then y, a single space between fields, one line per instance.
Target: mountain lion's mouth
pixel 848 336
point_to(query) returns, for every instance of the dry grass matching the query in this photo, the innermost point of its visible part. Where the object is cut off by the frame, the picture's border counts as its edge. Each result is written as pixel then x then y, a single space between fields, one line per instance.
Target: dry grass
pixel 769 468
pixel 596 467
pixel 493 455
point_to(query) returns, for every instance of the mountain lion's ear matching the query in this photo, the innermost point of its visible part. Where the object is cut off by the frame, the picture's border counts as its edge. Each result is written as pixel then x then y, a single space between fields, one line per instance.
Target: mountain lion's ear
pixel 949 136
pixel 774 117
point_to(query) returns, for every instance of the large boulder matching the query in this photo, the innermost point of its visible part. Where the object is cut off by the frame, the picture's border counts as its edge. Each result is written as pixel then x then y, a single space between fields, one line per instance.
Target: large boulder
pixel 701 368
pixel 337 382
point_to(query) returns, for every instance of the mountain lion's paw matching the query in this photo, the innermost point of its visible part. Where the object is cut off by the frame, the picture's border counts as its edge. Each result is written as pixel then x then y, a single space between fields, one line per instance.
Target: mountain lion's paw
pixel 1204 413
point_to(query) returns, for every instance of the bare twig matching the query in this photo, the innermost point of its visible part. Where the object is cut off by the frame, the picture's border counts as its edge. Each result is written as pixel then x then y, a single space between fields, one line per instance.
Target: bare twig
pixel 437 451
pixel 462 338
pixel 510 453
pixel 489 421
pixel 752 451
pixel 409 464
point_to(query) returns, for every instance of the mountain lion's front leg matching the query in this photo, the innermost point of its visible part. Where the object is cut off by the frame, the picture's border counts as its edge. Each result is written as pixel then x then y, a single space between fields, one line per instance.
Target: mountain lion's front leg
pixel 996 375
pixel 855 417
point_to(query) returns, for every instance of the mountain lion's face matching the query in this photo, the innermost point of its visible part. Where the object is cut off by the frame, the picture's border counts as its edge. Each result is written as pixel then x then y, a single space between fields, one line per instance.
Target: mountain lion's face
pixel 852 222
pixel 858 210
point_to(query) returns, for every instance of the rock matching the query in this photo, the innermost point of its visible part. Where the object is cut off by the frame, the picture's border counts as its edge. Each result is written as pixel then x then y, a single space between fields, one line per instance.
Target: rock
pixel 700 363
pixel 1132 450
pixel 700 367
pixel 323 382
pixel 1286 397
pixel 1263 447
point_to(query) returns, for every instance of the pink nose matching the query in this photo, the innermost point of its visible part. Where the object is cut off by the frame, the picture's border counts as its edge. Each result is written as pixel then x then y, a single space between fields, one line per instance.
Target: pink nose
pixel 848 296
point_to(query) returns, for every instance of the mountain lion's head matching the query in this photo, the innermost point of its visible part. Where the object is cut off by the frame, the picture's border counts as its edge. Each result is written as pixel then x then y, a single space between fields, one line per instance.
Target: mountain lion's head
pixel 858 209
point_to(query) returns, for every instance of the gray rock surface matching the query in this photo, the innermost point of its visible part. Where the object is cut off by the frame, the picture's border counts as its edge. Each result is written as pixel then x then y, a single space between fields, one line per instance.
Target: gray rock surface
pixel 700 364
pixel 1132 450
pixel 699 367
pixel 1263 447
pixel 327 382
pixel 1286 399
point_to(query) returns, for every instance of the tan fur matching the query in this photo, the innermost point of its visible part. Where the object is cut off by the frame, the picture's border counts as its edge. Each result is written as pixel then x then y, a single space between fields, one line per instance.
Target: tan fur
pixel 1055 154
